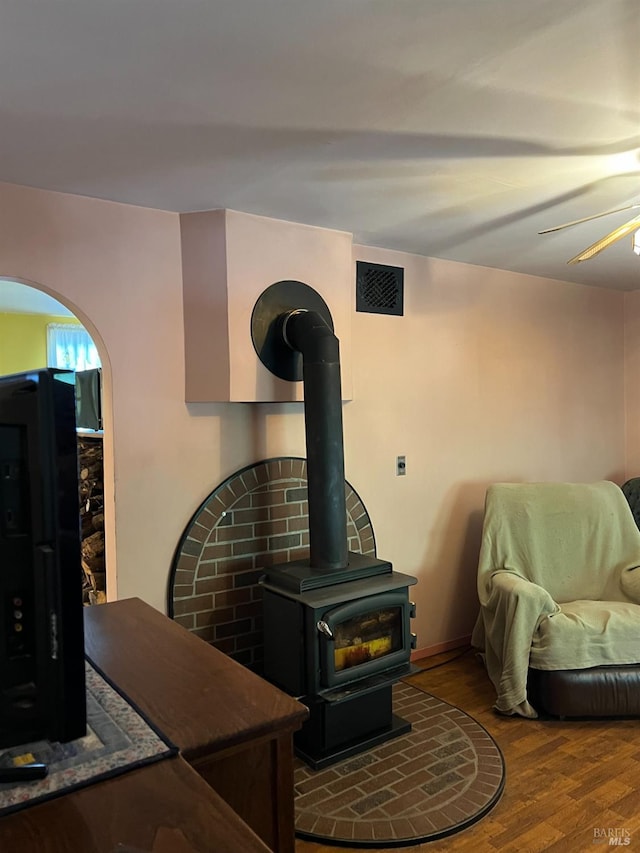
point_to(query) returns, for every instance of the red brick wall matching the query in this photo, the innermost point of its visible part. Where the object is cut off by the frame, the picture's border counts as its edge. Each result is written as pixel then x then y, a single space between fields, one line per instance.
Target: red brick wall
pixel 256 518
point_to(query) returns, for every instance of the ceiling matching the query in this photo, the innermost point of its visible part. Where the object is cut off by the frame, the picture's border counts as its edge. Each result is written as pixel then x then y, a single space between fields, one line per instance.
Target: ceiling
pixel 450 128
pixel 16 298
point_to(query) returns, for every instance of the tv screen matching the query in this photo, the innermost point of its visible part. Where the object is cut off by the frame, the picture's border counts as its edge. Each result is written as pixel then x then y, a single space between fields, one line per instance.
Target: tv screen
pixel 89 399
pixel 42 677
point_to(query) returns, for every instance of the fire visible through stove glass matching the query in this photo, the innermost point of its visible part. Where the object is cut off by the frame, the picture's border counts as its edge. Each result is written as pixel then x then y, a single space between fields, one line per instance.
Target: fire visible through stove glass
pixel 367 637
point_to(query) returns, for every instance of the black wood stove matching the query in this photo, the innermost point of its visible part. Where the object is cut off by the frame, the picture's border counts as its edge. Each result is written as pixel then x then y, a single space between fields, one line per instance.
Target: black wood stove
pixel 336 627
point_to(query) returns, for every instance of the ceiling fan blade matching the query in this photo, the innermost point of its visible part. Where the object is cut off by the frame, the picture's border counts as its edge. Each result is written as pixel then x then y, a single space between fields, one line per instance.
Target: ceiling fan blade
pixel 589 218
pixel 607 240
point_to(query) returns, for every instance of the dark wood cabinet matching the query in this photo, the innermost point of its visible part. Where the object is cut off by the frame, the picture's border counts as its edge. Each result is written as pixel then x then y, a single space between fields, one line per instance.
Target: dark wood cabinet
pixel 232 726
pixel 231 787
pixel 162 808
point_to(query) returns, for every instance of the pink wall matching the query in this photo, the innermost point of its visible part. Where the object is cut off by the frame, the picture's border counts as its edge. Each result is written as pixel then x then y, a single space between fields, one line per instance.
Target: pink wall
pixel 488 376
pixel 632 382
pixel 118 268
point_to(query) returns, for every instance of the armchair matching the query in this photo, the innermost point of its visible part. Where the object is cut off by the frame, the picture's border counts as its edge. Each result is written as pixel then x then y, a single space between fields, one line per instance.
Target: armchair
pixel 559 589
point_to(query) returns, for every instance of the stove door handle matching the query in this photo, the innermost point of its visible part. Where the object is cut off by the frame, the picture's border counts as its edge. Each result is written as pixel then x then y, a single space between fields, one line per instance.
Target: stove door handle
pixel 323 628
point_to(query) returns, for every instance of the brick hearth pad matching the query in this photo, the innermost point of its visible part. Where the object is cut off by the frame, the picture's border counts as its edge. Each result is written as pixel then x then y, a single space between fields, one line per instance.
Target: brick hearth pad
pixel 440 778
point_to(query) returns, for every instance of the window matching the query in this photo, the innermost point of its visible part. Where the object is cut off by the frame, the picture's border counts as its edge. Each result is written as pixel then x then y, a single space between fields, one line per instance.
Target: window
pixel 70 346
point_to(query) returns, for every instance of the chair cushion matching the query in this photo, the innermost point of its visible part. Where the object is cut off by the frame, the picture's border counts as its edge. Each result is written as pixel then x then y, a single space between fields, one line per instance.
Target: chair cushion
pixel 601 691
pixel 586 634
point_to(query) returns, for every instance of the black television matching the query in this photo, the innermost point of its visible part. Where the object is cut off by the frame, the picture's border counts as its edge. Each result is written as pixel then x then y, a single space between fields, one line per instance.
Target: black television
pixel 42 674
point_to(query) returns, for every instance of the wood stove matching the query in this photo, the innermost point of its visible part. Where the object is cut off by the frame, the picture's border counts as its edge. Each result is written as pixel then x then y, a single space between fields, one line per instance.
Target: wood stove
pixel 336 627
pixel 339 649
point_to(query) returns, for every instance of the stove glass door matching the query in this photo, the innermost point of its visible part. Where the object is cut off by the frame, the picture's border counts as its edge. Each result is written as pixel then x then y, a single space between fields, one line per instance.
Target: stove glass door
pixel 364 637
pixel 368 636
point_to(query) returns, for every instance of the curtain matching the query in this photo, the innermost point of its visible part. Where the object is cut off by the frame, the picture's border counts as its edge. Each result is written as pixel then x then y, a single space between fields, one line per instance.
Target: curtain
pixel 70 347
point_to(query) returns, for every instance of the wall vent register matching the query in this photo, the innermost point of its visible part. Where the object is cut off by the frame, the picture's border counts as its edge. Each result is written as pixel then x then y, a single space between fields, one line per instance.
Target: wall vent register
pixel 379 289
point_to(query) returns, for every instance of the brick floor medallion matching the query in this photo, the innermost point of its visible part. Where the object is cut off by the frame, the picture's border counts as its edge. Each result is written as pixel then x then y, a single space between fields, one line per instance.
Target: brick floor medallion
pixel 440 778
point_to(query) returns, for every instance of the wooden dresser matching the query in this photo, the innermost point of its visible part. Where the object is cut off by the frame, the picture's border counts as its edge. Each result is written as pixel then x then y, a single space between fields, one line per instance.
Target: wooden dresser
pixel 233 727
pixel 231 787
pixel 161 808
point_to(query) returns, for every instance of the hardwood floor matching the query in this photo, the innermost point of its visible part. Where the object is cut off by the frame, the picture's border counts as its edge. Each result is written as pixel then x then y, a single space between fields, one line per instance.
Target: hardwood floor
pixel 568 783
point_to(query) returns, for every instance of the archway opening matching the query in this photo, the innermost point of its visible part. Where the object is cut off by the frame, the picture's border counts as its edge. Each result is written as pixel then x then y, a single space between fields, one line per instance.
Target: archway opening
pixel 39 328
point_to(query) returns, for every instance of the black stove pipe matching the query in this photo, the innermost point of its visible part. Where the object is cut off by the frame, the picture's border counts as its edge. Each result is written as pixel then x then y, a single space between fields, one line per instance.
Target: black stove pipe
pixel 306 332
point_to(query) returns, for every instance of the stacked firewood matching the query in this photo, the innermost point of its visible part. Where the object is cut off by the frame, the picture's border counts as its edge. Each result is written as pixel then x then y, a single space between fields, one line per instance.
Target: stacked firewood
pixel 94 590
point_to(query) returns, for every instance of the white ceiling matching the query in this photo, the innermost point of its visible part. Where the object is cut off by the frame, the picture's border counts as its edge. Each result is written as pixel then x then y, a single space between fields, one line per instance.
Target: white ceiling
pixel 449 128
pixel 16 298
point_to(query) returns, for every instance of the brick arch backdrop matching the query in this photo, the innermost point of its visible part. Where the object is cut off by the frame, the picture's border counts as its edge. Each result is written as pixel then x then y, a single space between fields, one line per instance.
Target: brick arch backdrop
pixel 254 519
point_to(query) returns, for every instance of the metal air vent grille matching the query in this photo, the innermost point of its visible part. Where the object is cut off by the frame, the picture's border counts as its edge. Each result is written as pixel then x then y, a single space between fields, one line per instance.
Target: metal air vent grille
pixel 379 288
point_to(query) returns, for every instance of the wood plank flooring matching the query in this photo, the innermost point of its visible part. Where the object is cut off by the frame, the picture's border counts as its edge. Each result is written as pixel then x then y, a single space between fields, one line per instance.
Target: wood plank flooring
pixel 569 784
